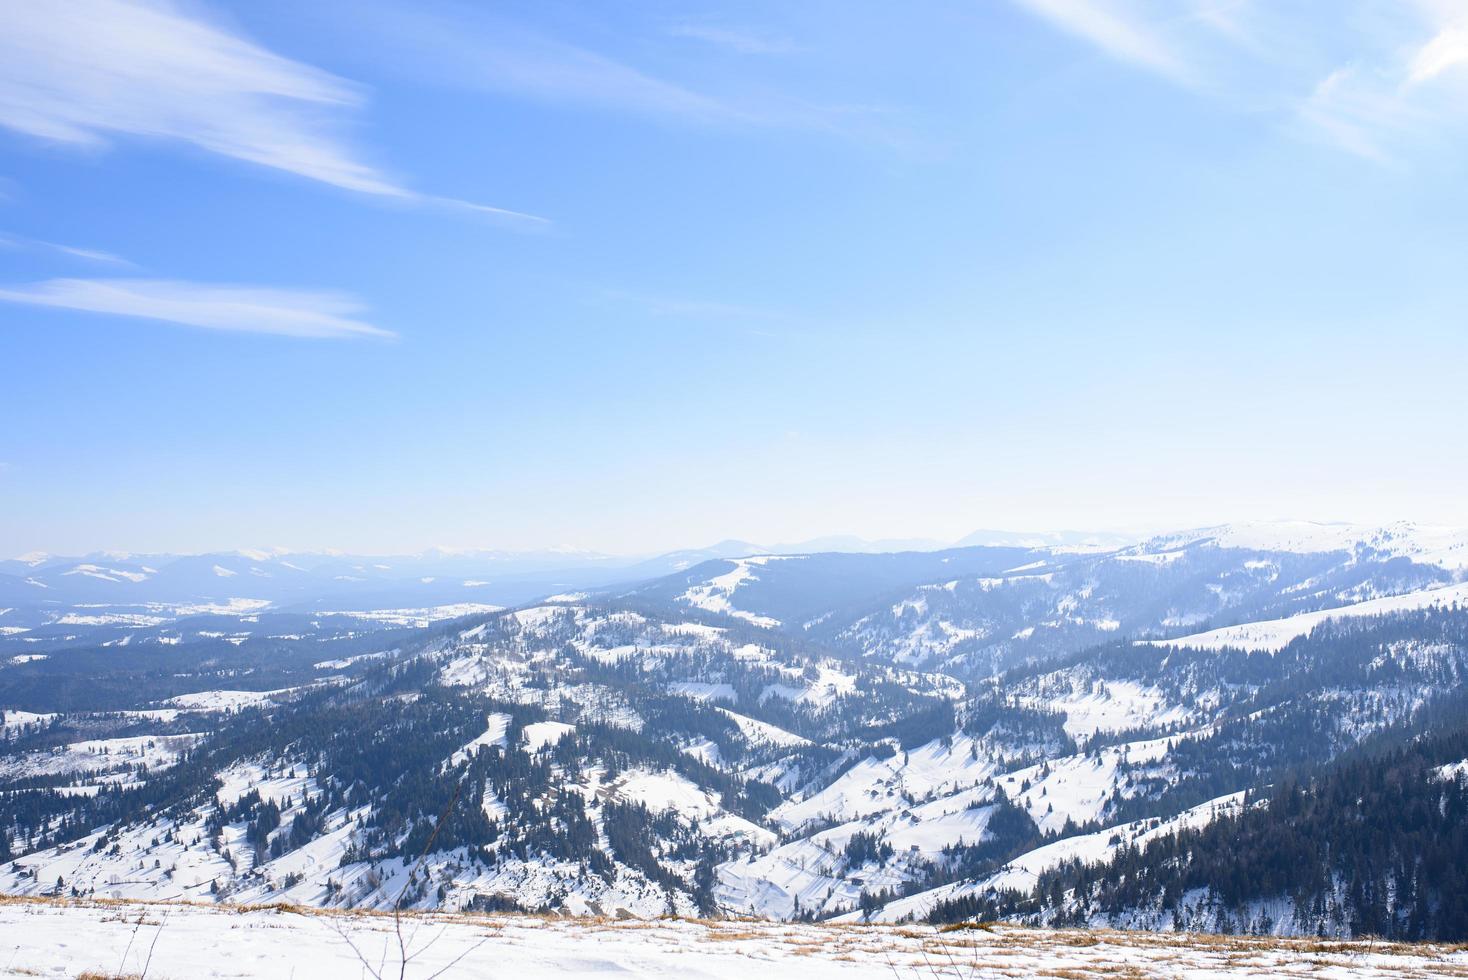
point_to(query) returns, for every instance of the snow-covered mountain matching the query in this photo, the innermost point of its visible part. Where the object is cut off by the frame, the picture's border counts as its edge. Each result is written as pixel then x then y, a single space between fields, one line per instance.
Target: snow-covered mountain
pixel 1444 547
pixel 977 610
pixel 999 599
pixel 48 601
pixel 755 735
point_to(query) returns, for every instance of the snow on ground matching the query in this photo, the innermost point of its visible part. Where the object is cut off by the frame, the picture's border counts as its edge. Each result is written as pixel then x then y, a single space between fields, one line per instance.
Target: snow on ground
pixel 701 631
pixel 241 778
pixel 927 639
pixel 174 858
pixel 99 755
pixel 667 790
pixel 142 615
pixel 876 786
pixel 544 734
pixel 536 617
pixel 1078 787
pixel 1022 872
pixel 151 714
pixel 345 662
pixel 107 574
pixel 422 616
pixel 59 939
pixel 1453 770
pixel 1446 547
pixel 498 725
pixel 222 700
pixel 819 689
pixel 815 874
pixel 1273 635
pixel 928 828
pixel 716 594
pixel 659 791
pixel 705 750
pixel 704 692
pixel 1093 706
pixel 1154 558
pixel 110 619
pixel 11 718
pixel 803 875
pixel 759 731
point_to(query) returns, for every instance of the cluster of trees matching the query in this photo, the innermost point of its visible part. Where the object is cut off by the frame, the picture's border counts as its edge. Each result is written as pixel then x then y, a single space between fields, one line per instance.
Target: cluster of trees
pixel 1005 719
pixel 863 847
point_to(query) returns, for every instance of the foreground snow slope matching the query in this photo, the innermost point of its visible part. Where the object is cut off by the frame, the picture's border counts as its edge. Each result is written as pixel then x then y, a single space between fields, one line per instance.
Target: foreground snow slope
pixel 64 940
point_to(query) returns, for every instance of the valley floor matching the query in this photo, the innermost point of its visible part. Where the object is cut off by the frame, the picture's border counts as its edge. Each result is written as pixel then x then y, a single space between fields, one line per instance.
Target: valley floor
pixel 58 938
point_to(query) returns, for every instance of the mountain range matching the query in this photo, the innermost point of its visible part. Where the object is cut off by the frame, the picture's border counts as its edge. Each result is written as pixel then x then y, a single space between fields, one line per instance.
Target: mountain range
pixel 1050 731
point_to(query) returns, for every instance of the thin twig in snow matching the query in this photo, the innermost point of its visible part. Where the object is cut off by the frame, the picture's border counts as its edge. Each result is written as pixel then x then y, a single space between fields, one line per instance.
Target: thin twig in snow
pixel 342 932
pixel 152 946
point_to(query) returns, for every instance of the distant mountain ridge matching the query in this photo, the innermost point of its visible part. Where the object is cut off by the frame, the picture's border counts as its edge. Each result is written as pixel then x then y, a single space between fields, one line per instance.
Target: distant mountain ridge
pixel 981 609
pixel 905 601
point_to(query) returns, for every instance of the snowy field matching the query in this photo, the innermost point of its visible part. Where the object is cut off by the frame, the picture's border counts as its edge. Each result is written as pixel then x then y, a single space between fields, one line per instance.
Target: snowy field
pixel 54 939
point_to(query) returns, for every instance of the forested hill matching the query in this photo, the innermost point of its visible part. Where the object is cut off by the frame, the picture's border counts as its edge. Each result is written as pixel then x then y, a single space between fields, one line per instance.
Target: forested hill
pixel 1375 846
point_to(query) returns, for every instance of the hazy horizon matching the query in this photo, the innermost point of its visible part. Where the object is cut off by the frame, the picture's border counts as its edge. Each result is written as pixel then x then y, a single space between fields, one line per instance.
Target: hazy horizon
pixel 1060 536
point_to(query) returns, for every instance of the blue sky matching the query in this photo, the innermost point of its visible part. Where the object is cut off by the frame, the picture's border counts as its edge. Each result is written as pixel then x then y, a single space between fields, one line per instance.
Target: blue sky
pixel 634 276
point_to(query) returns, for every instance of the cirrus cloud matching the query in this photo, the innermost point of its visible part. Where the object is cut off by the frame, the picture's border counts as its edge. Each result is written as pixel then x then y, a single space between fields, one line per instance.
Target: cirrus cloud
pixel 1386 94
pixel 85 71
pixel 244 309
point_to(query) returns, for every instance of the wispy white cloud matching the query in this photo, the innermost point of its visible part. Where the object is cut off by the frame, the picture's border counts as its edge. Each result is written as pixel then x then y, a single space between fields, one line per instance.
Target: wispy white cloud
pixel 87 254
pixel 90 254
pixel 470 47
pixel 747 319
pixel 1388 104
pixel 738 41
pixel 1447 50
pixel 1121 29
pixel 85 71
pixel 1361 113
pixel 245 309
pixel 1336 113
pixel 1362 87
